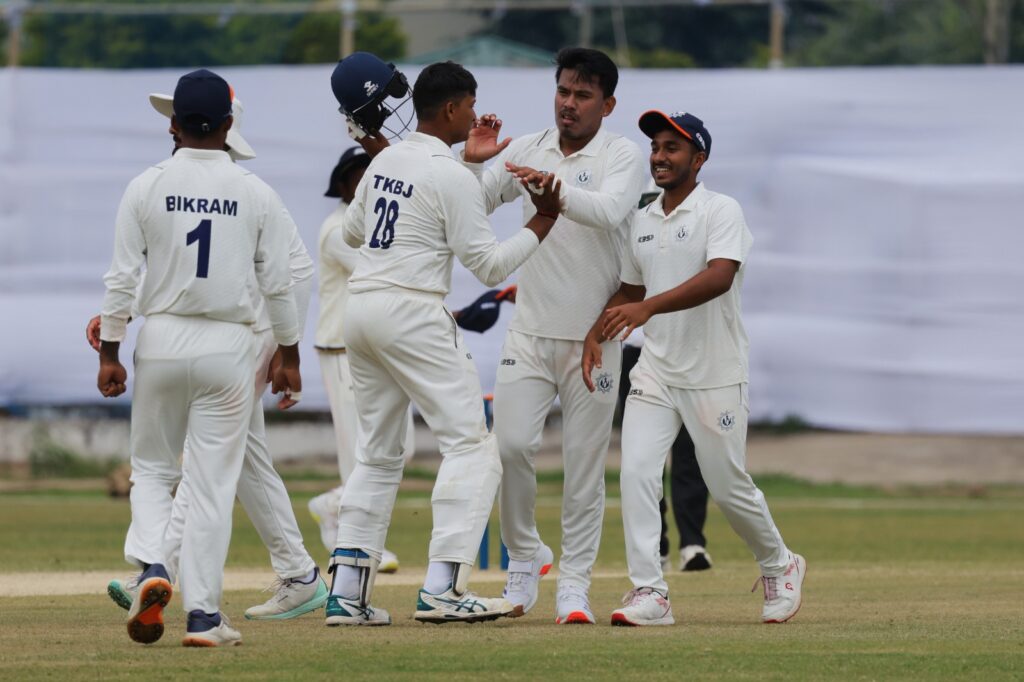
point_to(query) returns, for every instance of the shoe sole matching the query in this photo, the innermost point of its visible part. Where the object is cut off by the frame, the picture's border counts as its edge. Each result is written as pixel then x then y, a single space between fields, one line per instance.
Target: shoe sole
pixel 317 602
pixel 199 642
pixel 575 618
pixel 697 563
pixel 147 626
pixel 119 596
pixel 800 603
pixel 621 620
pixel 428 617
pixel 519 610
pixel 335 621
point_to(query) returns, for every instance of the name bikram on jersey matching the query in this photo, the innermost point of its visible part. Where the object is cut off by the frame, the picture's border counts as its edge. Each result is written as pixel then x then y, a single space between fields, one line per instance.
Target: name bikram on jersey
pixel 199 205
pixel 392 186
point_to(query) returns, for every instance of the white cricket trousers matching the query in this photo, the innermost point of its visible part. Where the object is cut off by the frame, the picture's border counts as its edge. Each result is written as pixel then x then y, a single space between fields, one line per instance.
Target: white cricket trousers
pixel 716 419
pixel 404 345
pixel 338 381
pixel 193 377
pixel 260 490
pixel 533 371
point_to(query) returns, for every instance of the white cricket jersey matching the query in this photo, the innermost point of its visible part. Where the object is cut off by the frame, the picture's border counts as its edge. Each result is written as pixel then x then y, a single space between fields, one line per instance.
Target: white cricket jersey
pixel 300 265
pixel 201 225
pixel 565 286
pixel 337 261
pixel 414 209
pixel 706 346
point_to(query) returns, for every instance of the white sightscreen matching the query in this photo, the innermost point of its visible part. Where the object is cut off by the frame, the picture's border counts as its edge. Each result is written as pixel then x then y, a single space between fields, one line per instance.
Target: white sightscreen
pixel 884 291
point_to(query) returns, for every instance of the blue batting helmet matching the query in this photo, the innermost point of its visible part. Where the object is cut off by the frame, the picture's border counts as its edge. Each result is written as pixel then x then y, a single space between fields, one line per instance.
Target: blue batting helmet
pixel 361 83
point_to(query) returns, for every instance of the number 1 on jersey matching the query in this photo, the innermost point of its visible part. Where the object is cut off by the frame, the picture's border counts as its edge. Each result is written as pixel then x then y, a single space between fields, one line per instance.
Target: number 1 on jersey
pixel 202 235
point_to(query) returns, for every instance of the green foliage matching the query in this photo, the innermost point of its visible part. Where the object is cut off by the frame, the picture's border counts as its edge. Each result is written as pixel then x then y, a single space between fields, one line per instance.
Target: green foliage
pixel 909 32
pixel 51 460
pixel 660 58
pixel 94 41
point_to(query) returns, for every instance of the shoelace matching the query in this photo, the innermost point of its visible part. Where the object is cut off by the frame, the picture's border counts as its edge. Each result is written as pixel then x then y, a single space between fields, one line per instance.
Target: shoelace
pixel 635 595
pixel 517 580
pixel 771 587
pixel 132 581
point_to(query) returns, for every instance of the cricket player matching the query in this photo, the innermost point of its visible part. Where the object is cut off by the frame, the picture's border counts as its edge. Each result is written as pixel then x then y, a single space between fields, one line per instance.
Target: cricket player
pixel 337 261
pixel 202 227
pixel 682 272
pixel 415 209
pixel 298 588
pixel 561 290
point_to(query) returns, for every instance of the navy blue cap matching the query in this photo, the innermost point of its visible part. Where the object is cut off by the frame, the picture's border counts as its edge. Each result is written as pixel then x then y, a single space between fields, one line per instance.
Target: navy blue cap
pixel 352 158
pixel 481 314
pixel 687 125
pixel 202 101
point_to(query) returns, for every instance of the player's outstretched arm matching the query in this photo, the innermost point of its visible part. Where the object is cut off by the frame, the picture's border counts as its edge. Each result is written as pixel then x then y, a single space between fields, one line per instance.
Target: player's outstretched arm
pixel 627 293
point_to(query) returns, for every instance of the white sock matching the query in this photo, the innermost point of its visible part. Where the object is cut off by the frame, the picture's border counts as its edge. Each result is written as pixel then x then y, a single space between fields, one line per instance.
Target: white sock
pixel 439 577
pixel 307 579
pixel 346 582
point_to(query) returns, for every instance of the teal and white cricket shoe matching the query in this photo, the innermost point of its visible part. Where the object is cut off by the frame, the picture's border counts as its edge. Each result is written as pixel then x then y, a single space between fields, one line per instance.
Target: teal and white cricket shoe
pixel 291 599
pixel 123 592
pixel 450 607
pixel 341 611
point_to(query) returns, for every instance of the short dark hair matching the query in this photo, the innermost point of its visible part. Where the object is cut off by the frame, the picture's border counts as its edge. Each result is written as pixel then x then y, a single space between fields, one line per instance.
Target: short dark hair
pixel 438 84
pixel 589 65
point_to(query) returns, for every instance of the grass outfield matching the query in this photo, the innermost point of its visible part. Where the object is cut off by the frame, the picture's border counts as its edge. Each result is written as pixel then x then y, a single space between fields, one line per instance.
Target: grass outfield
pixel 899 586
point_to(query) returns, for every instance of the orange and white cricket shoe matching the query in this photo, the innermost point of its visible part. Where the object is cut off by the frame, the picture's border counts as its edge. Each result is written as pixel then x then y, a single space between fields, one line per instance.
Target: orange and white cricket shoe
pixel 146 614
pixel 782 594
pixel 523 579
pixel 573 605
pixel 644 606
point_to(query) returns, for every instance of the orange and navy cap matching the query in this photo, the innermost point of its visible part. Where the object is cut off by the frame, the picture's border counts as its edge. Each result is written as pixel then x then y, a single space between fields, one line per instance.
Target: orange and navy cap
pixel 687 125
pixel 202 101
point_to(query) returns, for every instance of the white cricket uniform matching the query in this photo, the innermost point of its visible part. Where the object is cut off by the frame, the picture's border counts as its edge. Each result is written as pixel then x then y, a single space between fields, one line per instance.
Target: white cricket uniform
pixel 562 290
pixel 337 261
pixel 415 209
pixel 260 489
pixel 693 371
pixel 201 226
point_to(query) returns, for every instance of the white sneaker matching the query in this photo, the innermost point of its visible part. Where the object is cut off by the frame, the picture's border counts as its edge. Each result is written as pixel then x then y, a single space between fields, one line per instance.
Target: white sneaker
pixel 644 606
pixel 324 510
pixel 782 594
pixel 694 558
pixel 573 605
pixel 388 562
pixel 450 607
pixel 203 632
pixel 523 578
pixel 291 599
pixel 341 611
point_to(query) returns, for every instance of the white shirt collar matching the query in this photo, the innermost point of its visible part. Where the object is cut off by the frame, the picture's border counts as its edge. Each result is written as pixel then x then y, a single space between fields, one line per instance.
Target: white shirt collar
pixel 211 154
pixel 692 201
pixel 434 143
pixel 592 148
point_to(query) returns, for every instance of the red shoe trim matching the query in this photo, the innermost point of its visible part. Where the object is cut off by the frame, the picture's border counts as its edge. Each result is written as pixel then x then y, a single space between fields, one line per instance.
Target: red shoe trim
pixel 620 619
pixel 545 568
pixel 576 618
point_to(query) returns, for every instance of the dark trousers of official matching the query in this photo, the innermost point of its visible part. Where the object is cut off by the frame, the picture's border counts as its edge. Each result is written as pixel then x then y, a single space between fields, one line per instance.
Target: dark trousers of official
pixel 689 494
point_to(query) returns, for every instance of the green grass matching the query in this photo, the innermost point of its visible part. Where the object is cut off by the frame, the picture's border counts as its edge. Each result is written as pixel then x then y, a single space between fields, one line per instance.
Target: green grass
pixel 900 586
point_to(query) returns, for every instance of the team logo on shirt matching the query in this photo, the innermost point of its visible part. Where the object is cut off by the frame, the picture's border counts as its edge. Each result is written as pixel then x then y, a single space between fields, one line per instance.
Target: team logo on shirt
pixel 370 87
pixel 583 177
pixel 604 382
pixel 726 421
pixel 681 233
